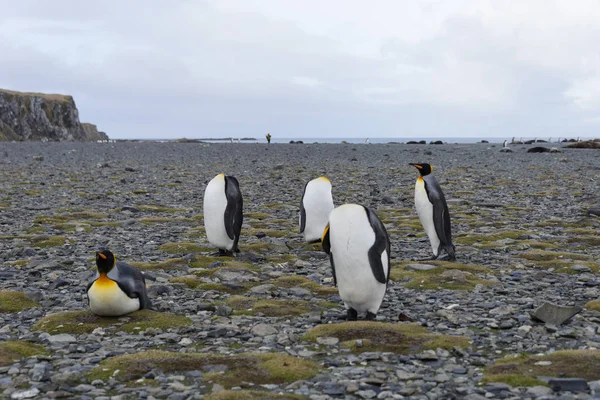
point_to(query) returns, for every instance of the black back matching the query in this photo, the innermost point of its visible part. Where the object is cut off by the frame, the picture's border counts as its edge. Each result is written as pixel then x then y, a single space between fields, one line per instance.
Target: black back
pixel 382 243
pixel 441 215
pixel 233 211
pixel 302 210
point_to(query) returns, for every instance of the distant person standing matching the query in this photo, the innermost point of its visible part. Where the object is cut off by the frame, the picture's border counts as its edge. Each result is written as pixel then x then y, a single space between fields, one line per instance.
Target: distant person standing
pixel 268 136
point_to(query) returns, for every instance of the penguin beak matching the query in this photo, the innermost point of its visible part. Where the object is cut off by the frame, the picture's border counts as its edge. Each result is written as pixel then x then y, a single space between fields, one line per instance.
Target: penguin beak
pixel 102 256
pixel 415 165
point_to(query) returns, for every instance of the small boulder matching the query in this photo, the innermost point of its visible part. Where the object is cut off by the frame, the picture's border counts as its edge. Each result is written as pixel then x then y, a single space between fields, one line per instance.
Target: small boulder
pixel 554 314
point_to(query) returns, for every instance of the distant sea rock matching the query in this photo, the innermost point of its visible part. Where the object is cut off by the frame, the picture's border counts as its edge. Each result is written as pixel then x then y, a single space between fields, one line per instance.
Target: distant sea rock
pixel 43 117
pixel 587 144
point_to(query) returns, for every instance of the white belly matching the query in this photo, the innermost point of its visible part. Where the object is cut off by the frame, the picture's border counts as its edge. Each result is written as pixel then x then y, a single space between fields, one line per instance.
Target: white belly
pixel 425 211
pixel 108 300
pixel 351 237
pixel 318 203
pixel 215 203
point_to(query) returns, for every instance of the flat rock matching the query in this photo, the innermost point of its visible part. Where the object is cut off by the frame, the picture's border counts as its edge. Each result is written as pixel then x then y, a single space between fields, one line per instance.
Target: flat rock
pixel 568 384
pixel 62 338
pixel 264 330
pixel 420 267
pixel 554 314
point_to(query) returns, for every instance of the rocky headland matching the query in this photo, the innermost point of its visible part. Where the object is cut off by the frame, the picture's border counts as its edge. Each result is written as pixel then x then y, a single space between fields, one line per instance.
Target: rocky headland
pixel 43 117
pixel 516 316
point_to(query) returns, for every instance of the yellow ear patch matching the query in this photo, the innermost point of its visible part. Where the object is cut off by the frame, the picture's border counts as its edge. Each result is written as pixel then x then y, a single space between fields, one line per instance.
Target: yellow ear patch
pixel 324 178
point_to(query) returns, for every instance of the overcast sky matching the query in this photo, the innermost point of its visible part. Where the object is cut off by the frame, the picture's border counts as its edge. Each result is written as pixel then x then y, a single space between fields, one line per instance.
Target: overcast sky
pixel 312 68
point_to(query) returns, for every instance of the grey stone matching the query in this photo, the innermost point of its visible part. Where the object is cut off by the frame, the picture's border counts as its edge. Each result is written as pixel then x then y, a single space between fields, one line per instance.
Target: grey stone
pixel 539 391
pixel 62 338
pixel 555 314
pixel 264 330
pixel 420 267
pixel 25 394
pixel 263 289
pixel 568 384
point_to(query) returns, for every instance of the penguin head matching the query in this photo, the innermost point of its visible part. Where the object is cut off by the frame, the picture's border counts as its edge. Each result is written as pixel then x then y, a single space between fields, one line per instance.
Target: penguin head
pixel 105 261
pixel 424 169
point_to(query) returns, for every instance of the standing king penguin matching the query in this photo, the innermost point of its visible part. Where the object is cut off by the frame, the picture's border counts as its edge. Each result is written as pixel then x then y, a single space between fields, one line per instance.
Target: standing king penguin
pixel 433 211
pixel 315 206
pixel 118 288
pixel 359 250
pixel 223 215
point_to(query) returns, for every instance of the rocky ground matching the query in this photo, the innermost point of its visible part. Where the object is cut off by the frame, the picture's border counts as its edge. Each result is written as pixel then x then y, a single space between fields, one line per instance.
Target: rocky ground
pixel 266 324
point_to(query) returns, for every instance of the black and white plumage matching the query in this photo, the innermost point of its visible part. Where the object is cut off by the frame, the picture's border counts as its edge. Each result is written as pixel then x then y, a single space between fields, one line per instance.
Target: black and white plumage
pixel 117 289
pixel 359 250
pixel 433 211
pixel 223 213
pixel 315 206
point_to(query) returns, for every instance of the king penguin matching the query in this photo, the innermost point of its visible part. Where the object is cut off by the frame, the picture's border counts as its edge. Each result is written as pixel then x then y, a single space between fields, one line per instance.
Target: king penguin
pixel 433 211
pixel 359 250
pixel 315 206
pixel 118 288
pixel 223 215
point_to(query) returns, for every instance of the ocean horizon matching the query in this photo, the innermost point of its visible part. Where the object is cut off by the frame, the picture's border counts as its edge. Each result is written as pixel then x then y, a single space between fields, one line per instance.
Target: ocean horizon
pixel 363 140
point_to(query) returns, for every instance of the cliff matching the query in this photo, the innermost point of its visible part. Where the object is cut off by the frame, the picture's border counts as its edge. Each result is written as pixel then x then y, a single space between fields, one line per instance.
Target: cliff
pixel 46 117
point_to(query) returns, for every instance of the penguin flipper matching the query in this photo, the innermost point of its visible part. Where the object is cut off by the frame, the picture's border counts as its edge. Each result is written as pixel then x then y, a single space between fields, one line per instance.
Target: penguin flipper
pixel 441 215
pixel 303 211
pixel 132 282
pixel 382 243
pixel 233 211
pixel 327 249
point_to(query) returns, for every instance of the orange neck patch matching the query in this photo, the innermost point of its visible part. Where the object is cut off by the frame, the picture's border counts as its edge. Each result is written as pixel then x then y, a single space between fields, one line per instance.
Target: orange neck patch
pixel 104 280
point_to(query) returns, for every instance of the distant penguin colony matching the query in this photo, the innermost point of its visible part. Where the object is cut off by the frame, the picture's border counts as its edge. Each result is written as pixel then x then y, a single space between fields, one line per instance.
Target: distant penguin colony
pixel 433 211
pixel 223 214
pixel 359 250
pixel 117 289
pixel 315 206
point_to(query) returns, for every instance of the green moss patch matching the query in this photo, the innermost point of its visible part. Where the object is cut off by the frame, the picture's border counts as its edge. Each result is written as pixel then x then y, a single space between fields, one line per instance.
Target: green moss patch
pixel 252 395
pixel 541 255
pixel 487 237
pixel 300 281
pixel 524 370
pixel 160 209
pixel 169 264
pixel 270 308
pixel 84 321
pixel 593 305
pixel 377 336
pixel 48 241
pixel 184 247
pixel 13 301
pixel 256 215
pixel 162 220
pixel 242 369
pixel 440 278
pixel 14 349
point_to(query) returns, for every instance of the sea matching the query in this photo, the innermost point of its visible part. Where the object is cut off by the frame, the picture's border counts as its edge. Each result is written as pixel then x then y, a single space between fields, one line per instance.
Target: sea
pixel 371 140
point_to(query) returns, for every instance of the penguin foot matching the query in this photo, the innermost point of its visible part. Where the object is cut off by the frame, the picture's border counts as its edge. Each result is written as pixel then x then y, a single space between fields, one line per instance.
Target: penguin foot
pixel 223 253
pixel 352 314
pixel 370 316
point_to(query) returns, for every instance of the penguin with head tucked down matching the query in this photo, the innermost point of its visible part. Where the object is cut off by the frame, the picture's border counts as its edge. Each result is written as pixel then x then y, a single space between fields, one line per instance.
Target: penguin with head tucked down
pixel 223 215
pixel 315 206
pixel 118 288
pixel 359 250
pixel 433 211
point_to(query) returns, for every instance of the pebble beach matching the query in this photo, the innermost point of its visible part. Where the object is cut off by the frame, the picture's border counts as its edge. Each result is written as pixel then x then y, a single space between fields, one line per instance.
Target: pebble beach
pixel 268 323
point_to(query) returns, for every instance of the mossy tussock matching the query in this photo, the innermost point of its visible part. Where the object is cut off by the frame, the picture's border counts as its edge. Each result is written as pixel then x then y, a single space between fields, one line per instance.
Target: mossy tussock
pixel 14 301
pixel 541 255
pixel 484 238
pixel 593 305
pixel 14 350
pixel 243 305
pixel 44 241
pixel 434 279
pixel 74 216
pixel 165 220
pixel 242 369
pixel 524 370
pixel 385 337
pixel 84 321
